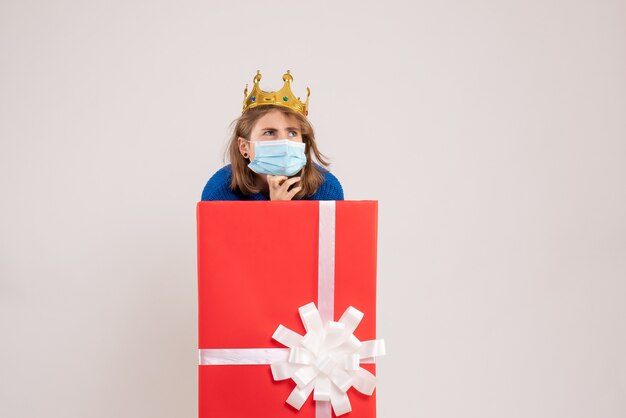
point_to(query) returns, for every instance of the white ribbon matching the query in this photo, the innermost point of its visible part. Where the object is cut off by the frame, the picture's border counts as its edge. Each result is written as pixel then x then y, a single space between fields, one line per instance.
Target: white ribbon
pixel 326 360
pixel 326 261
pixel 222 356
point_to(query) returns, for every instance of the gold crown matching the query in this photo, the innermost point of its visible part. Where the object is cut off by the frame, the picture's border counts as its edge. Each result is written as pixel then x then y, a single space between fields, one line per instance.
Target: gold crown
pixel 283 97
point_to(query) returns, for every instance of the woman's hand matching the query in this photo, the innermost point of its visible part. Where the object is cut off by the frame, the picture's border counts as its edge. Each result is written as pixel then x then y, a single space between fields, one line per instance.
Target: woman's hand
pixel 279 187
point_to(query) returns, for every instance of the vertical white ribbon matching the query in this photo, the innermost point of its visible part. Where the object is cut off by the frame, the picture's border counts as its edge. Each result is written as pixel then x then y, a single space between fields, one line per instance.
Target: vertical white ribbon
pixel 326 261
pixel 326 279
pixel 323 409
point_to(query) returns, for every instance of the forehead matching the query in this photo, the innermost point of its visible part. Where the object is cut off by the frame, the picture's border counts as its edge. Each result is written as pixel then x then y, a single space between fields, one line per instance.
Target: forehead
pixel 276 119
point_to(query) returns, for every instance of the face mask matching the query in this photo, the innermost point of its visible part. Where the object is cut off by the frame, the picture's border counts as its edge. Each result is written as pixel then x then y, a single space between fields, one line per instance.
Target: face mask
pixel 279 157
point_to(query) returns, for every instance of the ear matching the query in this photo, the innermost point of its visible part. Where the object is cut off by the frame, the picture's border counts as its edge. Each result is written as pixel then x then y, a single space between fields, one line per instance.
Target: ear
pixel 244 146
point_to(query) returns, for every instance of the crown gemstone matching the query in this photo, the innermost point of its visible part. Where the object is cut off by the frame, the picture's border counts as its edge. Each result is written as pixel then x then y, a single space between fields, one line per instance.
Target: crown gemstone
pixel 285 98
pixel 253 98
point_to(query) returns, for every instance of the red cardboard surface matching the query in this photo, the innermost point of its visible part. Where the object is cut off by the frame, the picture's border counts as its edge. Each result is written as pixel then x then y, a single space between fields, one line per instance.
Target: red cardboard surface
pixel 257 264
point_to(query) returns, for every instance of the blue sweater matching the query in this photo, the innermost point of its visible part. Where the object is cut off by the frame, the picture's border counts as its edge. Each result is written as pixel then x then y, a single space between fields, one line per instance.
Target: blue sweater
pixel 218 188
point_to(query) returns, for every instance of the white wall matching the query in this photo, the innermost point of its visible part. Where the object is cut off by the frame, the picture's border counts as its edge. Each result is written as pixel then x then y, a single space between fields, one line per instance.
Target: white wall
pixel 493 133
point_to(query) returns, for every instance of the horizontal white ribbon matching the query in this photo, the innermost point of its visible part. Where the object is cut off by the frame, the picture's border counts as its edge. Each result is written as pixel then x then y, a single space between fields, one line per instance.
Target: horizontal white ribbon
pixel 248 356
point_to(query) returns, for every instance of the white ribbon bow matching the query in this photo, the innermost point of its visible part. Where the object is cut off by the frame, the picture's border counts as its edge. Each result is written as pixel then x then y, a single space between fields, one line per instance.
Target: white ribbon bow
pixel 326 360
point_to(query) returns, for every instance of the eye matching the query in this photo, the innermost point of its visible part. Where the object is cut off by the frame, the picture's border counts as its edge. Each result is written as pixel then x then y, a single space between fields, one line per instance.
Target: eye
pixel 268 132
pixel 293 133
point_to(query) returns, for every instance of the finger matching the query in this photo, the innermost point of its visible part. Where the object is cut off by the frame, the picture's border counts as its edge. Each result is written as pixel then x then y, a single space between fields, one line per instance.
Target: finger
pixel 291 181
pixel 274 181
pixel 293 192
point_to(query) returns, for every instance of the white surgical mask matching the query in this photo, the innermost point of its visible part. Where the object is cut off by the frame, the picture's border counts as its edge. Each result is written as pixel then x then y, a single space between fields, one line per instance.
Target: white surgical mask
pixel 278 157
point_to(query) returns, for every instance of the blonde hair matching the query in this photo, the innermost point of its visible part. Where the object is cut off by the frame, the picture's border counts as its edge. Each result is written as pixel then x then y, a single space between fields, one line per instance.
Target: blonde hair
pixel 243 178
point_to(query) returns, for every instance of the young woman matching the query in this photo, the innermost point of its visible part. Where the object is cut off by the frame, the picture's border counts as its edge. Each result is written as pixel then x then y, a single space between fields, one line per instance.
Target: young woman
pixel 271 153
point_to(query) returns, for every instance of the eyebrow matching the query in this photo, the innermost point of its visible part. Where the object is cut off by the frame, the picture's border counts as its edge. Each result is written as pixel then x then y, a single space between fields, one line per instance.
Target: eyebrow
pixel 274 129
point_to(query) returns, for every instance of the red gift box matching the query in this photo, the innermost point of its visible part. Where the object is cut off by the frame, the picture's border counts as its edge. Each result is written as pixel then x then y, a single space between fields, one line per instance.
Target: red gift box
pixel 258 262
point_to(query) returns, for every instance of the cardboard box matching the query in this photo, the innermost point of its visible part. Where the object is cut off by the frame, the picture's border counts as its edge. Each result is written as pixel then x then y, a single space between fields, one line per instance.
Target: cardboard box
pixel 258 262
